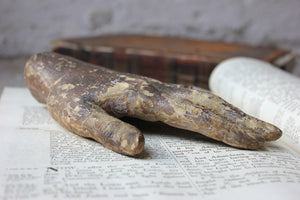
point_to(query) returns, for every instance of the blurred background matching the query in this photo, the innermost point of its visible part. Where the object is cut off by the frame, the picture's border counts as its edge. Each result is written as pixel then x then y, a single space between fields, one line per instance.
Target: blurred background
pixel 28 26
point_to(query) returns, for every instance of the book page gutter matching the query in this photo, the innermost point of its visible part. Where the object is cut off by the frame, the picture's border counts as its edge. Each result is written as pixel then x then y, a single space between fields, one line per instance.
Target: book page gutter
pixel 41 160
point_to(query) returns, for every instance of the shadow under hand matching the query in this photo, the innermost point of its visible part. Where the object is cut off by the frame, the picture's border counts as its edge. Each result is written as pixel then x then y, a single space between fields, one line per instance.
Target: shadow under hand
pixel 159 128
pixel 164 130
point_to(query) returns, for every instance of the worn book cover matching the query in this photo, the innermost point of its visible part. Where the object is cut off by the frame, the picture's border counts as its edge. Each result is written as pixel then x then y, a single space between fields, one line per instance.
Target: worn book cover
pixel 168 59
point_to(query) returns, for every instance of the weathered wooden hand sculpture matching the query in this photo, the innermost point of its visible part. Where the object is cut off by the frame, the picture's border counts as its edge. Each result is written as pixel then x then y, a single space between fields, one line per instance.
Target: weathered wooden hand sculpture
pixel 87 99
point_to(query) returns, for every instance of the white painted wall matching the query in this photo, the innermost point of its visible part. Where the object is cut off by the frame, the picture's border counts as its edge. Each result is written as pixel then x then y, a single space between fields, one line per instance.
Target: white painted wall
pixel 28 26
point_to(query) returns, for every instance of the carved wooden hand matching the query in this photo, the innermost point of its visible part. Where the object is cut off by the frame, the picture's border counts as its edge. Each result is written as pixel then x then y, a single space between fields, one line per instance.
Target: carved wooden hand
pixel 87 99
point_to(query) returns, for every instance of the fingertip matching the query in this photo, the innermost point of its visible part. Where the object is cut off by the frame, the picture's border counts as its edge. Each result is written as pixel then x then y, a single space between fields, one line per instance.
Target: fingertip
pixel 245 139
pixel 132 142
pixel 139 144
pixel 273 133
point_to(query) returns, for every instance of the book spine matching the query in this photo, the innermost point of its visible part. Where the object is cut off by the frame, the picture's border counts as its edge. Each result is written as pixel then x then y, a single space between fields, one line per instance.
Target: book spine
pixel 171 69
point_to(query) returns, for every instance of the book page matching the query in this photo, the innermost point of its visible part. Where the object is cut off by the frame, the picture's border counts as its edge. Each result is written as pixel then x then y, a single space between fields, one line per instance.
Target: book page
pixel 263 91
pixel 41 160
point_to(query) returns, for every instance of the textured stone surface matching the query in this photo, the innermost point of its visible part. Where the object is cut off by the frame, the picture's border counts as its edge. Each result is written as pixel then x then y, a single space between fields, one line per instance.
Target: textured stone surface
pixel 28 26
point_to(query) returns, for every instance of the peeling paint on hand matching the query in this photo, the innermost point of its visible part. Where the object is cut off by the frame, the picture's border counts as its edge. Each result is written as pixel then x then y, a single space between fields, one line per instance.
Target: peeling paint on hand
pixel 87 100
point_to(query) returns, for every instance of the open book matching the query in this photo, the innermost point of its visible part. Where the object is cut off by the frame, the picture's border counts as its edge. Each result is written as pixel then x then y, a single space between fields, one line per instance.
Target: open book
pixel 263 91
pixel 41 160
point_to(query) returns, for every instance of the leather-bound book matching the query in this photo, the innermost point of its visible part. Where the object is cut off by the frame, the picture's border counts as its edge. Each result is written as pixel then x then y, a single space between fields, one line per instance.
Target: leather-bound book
pixel 169 59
